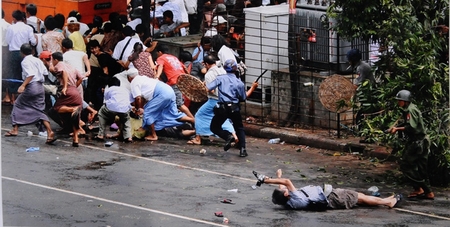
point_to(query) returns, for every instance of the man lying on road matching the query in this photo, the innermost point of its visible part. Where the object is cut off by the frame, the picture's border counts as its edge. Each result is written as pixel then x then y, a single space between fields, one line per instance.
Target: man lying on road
pixel 315 198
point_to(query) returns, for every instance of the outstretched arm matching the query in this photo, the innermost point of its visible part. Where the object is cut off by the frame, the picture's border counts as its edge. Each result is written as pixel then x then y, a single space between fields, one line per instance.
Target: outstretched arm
pixel 282 182
pixel 252 88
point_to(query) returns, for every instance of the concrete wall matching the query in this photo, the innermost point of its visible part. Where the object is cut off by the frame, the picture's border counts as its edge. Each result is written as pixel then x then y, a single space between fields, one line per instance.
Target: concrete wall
pixel 310 110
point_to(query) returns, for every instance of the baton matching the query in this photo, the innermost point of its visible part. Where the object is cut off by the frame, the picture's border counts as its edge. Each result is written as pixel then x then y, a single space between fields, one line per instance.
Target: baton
pixel 259 77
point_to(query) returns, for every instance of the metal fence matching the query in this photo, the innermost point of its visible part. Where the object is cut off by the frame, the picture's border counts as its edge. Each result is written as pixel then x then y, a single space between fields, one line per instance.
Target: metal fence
pixel 298 52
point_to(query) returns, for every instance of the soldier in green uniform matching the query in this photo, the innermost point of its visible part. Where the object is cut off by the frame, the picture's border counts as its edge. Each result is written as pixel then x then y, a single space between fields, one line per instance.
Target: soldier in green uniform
pixel 415 156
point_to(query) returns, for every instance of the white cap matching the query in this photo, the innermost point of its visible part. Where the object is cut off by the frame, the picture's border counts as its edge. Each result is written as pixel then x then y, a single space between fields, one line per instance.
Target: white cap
pixel 132 72
pixel 72 20
pixel 218 20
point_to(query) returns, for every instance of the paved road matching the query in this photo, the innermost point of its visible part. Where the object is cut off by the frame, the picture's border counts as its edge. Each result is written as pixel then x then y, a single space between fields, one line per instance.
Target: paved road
pixel 169 183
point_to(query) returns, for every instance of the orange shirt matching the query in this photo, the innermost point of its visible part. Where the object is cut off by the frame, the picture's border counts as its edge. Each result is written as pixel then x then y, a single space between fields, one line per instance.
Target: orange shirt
pixel 172 67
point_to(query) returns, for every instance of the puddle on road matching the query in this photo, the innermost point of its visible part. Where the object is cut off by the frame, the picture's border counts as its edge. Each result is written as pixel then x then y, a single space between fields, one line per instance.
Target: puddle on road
pixel 100 164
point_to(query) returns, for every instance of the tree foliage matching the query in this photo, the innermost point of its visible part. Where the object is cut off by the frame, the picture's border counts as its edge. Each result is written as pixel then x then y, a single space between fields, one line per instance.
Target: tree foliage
pixel 414 57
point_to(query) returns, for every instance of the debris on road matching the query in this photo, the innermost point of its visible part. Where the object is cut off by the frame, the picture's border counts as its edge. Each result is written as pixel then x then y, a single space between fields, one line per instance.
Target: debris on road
pixel 229 201
pixel 274 140
pixel 32 149
pixel 301 148
pixel 374 191
pixel 233 190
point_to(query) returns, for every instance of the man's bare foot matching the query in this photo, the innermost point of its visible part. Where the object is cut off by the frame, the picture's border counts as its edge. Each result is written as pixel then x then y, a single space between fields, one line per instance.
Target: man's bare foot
pixel 416 193
pixel 195 141
pixel 115 136
pixel 11 133
pixel 81 131
pixel 50 138
pixel 99 138
pixel 394 200
pixel 151 138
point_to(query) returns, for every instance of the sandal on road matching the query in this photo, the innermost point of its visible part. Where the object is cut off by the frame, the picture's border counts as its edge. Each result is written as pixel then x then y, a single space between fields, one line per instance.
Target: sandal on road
pixel 50 141
pixel 10 134
pixel 399 198
pixel 229 201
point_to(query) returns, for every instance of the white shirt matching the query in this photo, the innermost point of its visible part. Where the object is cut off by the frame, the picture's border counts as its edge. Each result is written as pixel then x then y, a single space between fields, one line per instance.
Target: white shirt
pixel 118 99
pixel 211 75
pixel 143 86
pixel 5 26
pixel 224 54
pixel 134 23
pixel 39 48
pixel 75 59
pixel 123 80
pixel 177 15
pixel 182 7
pixel 32 66
pixel 83 28
pixel 18 34
pixel 191 6
pixel 121 45
pixel 32 20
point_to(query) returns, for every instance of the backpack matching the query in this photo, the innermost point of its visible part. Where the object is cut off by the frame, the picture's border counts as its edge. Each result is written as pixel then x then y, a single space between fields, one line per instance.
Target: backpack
pixel 319 205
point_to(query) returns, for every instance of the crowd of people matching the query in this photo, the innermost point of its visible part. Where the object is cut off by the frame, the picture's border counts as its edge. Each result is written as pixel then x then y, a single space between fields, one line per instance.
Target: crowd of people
pixel 108 73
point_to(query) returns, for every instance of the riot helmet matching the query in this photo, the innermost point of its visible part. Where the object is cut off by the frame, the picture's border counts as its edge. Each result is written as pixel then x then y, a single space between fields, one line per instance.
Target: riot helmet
pixel 404 95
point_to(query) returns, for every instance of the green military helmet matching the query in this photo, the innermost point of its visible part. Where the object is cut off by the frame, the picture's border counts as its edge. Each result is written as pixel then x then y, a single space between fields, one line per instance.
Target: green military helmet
pixel 404 95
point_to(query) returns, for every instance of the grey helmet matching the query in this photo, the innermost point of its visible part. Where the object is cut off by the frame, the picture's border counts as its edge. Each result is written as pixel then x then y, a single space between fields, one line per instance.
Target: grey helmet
pixel 403 95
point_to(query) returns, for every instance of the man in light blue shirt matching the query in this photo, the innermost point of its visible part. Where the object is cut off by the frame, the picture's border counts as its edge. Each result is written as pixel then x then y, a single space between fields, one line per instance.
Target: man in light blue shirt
pixel 231 91
pixel 315 198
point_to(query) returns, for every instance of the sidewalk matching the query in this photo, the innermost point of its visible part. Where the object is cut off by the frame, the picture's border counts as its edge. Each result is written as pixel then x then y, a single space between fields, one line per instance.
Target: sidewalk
pixel 317 139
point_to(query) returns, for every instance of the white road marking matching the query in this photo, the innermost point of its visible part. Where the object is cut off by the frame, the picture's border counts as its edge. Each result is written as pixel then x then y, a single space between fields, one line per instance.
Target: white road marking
pixel 114 202
pixel 172 164
pixel 423 214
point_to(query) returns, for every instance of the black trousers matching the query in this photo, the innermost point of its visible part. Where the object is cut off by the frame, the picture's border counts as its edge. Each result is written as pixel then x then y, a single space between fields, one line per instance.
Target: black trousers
pixel 94 86
pixel 221 113
pixel 194 23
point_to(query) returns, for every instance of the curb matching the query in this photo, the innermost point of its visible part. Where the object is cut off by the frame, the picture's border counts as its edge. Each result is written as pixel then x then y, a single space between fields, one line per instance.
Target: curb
pixel 316 141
